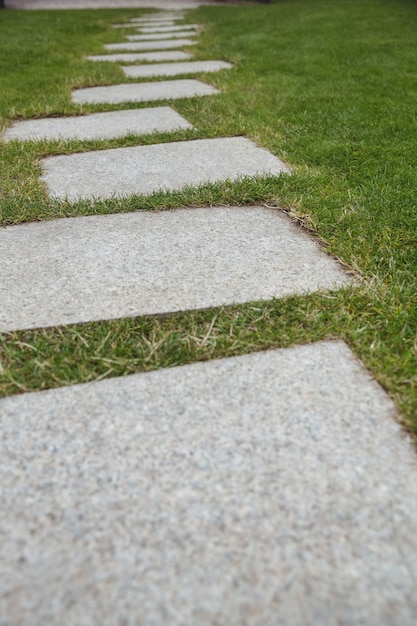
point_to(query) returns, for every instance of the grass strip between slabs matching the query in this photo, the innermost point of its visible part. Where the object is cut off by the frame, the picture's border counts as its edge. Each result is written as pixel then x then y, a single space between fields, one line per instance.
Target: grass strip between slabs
pixel 328 86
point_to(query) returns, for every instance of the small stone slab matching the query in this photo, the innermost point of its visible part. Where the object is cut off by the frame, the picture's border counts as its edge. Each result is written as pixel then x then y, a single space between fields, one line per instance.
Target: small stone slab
pixel 149 57
pixel 143 92
pixel 159 19
pixel 99 125
pixel 162 167
pixel 268 489
pixel 130 25
pixel 166 22
pixel 173 69
pixel 165 44
pixel 156 36
pixel 111 266
pixel 169 29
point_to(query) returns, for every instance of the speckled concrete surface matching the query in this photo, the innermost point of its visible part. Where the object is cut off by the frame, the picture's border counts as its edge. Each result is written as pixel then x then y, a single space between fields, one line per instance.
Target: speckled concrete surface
pixel 143 92
pixel 174 69
pixel 102 267
pixel 98 125
pixel 147 169
pixel 269 489
pixel 163 44
pixel 150 57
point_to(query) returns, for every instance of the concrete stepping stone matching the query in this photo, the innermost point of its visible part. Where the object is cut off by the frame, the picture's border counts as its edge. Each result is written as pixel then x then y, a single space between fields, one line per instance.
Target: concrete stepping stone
pixel 173 69
pixel 162 167
pixel 99 125
pixel 169 29
pixel 111 266
pixel 157 20
pixel 129 25
pixel 143 92
pixel 155 36
pixel 162 21
pixel 149 57
pixel 275 486
pixel 165 44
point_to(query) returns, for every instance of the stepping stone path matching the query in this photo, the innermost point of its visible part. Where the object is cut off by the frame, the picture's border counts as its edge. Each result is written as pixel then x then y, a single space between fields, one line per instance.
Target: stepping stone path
pixel 269 488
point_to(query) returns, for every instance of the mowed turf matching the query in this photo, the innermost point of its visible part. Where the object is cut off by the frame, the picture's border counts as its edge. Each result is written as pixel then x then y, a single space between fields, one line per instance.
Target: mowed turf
pixel 329 86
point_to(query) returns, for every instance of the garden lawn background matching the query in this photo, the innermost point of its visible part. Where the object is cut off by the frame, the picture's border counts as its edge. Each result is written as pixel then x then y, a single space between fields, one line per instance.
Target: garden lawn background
pixel 329 86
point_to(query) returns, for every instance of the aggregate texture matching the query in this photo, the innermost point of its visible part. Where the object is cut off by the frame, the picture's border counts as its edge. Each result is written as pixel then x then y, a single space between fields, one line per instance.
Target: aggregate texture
pixel 110 266
pixel 99 125
pixel 148 57
pixel 273 488
pixel 174 69
pixel 163 44
pixel 143 92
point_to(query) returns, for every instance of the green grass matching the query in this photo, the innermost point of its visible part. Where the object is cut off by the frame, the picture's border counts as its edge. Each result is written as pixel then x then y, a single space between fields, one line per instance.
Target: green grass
pixel 329 86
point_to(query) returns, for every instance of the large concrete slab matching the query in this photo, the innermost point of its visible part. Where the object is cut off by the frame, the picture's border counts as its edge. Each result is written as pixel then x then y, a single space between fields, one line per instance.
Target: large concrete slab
pixel 173 69
pixel 149 57
pixel 165 44
pixel 105 267
pixel 99 125
pixel 268 489
pixel 160 167
pixel 177 35
pixel 143 92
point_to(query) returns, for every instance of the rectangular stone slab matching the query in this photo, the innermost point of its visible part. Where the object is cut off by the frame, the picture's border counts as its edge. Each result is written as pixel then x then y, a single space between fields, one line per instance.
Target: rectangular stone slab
pixel 275 486
pixel 110 266
pixel 150 57
pixel 99 125
pixel 173 69
pixel 177 35
pixel 143 92
pixel 169 29
pixel 164 44
pixel 160 167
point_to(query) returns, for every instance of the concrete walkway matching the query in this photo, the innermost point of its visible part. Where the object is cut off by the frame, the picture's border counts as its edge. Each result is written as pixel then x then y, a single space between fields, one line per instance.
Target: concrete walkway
pixel 267 489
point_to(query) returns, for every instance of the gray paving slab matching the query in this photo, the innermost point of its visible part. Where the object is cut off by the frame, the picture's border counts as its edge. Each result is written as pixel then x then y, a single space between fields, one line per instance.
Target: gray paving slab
pixel 153 37
pixel 130 25
pixel 156 22
pixel 168 29
pixel 111 266
pixel 99 125
pixel 149 57
pixel 173 69
pixel 272 488
pixel 165 44
pixel 161 17
pixel 161 167
pixel 143 92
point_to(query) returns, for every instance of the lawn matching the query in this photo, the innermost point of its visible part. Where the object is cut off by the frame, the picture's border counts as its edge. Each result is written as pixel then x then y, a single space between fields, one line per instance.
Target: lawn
pixel 330 87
